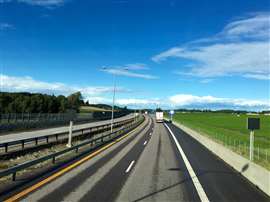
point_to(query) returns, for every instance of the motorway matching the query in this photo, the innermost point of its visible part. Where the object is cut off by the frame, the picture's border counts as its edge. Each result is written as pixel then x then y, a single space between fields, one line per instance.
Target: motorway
pixel 155 162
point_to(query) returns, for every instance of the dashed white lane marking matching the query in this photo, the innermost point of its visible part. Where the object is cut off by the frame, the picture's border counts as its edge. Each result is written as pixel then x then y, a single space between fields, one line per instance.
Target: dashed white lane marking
pixel 145 142
pixel 191 172
pixel 130 166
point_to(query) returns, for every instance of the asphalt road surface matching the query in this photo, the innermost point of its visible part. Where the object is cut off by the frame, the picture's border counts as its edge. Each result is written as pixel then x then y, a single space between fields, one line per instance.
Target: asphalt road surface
pixel 151 165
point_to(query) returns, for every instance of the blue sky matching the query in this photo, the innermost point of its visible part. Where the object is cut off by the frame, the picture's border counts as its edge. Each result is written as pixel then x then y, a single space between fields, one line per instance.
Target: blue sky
pixel 202 54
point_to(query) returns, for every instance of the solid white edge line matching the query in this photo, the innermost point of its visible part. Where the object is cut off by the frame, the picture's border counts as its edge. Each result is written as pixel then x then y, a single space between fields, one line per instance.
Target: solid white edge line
pixel 130 166
pixel 191 172
pixel 145 142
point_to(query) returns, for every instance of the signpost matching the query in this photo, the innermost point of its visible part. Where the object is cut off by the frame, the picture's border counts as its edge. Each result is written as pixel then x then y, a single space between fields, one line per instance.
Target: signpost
pixel 252 124
pixel 171 115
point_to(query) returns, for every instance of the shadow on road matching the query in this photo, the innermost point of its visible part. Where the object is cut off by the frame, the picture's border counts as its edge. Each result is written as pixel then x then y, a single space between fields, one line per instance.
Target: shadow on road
pixel 200 173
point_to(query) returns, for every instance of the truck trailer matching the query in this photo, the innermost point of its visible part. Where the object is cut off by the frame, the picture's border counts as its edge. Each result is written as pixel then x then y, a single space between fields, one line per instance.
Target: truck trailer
pixel 159 117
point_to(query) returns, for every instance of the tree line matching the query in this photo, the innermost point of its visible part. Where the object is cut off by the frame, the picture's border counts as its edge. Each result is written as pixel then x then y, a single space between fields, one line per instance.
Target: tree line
pixel 39 103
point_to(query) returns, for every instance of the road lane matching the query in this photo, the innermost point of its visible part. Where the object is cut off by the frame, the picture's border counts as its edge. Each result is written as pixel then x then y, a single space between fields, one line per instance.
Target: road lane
pixel 220 181
pixel 193 176
pixel 74 184
pixel 113 181
pixel 158 174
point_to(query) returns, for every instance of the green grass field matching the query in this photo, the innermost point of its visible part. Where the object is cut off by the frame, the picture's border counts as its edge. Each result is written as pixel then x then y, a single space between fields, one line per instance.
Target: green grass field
pixel 231 131
pixel 89 109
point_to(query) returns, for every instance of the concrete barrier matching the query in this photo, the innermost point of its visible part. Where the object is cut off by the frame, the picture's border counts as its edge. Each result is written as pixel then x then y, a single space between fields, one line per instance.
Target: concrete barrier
pixel 256 174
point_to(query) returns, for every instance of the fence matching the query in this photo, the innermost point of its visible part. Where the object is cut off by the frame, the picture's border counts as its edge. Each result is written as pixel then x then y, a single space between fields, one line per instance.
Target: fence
pixel 9 122
pixel 241 146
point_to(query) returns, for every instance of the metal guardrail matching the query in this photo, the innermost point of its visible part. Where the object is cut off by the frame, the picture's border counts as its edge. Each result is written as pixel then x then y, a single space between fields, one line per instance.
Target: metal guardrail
pixel 56 135
pixel 13 170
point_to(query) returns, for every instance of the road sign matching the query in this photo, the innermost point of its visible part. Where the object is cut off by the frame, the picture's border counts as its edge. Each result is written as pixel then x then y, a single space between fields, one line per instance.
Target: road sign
pixel 253 123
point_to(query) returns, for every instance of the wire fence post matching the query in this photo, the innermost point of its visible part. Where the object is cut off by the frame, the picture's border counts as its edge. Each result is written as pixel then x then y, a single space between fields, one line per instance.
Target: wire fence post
pixel 239 147
pixel 246 148
pixel 258 150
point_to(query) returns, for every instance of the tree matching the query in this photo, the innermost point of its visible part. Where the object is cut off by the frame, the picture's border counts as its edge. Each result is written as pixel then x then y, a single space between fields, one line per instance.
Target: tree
pixel 39 103
pixel 63 104
pixel 74 101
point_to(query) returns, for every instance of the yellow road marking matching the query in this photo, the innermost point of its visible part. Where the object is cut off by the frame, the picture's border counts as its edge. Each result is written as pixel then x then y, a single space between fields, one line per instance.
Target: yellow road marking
pixel 64 170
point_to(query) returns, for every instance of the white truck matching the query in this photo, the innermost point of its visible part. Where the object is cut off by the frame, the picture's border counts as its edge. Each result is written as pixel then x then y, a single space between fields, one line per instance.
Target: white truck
pixel 159 117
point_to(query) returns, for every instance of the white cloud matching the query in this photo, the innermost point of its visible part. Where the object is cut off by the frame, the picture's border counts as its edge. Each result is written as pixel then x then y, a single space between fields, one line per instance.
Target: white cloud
pixel 193 101
pixel 227 59
pixel 206 80
pixel 253 27
pixel 258 76
pixel 242 48
pixel 138 102
pixel 18 84
pixel 42 3
pixel 187 100
pixel 128 70
pixel 135 66
pixel 98 100
pixel 6 26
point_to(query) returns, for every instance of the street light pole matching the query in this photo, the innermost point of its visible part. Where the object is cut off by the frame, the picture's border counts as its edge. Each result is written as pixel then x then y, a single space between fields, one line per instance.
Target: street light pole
pixel 114 86
pixel 114 89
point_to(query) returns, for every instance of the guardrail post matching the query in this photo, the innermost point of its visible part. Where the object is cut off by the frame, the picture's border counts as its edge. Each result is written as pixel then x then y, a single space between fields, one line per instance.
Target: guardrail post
pixel 47 139
pixel 92 143
pixel 14 176
pixel 77 149
pixel 6 147
pixel 22 144
pixel 36 140
pixel 69 144
pixel 53 160
pixel 102 138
